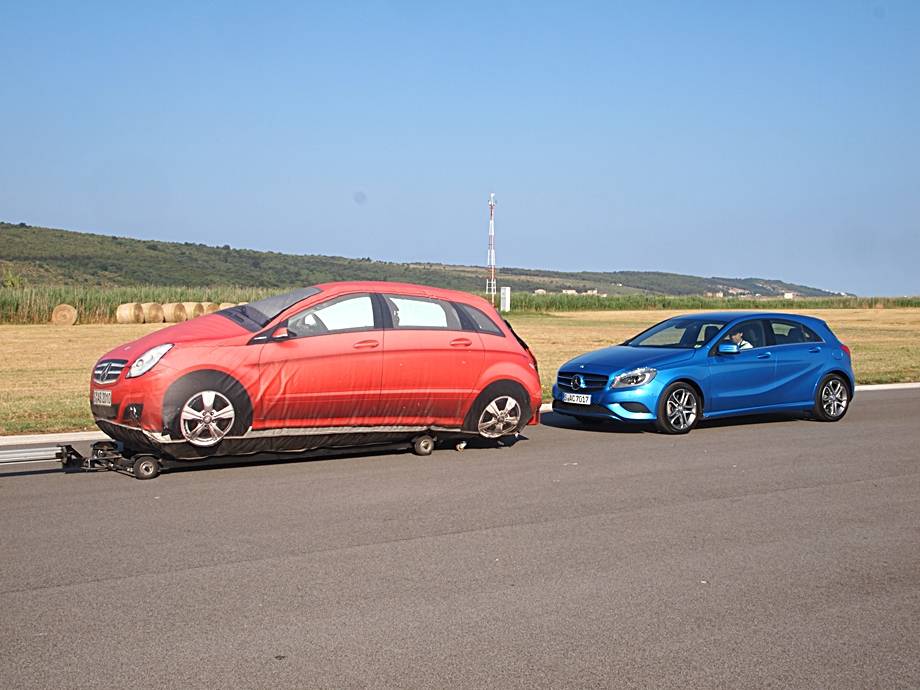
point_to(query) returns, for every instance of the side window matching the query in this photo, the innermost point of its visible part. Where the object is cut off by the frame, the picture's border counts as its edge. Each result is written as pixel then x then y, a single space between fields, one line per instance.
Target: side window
pixel 746 335
pixel 421 312
pixel 478 321
pixel 790 333
pixel 348 313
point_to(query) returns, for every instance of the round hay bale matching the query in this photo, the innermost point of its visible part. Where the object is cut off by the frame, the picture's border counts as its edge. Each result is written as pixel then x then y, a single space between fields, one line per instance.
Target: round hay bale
pixel 130 312
pixel 64 315
pixel 227 305
pixel 210 307
pixel 193 309
pixel 174 312
pixel 153 312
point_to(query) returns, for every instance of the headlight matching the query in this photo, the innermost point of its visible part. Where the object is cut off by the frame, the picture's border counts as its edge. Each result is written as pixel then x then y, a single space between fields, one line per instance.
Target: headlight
pixel 636 377
pixel 148 360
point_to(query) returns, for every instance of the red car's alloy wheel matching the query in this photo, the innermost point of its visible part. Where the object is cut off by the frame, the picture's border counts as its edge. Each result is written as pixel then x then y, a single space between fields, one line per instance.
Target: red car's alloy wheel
pixel 500 417
pixel 206 418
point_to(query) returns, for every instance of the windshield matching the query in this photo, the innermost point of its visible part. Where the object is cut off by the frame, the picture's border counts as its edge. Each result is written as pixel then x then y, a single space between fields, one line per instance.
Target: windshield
pixel 683 332
pixel 258 314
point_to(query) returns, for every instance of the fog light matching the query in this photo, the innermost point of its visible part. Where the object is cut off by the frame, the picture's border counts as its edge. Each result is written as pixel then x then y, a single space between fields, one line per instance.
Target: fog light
pixel 133 412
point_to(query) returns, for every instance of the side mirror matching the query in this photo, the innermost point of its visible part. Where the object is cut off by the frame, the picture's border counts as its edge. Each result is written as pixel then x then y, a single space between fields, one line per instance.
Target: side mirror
pixel 281 333
pixel 728 349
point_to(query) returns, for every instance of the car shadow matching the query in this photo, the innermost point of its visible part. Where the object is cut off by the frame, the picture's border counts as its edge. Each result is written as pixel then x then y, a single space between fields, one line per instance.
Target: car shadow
pixel 561 421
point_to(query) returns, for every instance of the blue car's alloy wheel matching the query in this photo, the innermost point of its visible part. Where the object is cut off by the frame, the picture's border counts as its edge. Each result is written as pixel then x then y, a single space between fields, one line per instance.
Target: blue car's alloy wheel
pixel 678 409
pixel 833 399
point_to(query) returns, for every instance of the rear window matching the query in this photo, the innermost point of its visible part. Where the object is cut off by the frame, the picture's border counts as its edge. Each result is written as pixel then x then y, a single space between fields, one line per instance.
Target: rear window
pixel 258 314
pixel 478 321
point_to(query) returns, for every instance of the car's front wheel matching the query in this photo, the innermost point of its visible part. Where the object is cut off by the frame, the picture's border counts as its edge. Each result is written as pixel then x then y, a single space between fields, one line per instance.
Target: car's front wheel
pixel 206 407
pixel 678 409
pixel 832 399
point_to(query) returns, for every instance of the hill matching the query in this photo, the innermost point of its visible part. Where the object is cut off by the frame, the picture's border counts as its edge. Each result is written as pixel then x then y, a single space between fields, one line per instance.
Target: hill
pixel 44 256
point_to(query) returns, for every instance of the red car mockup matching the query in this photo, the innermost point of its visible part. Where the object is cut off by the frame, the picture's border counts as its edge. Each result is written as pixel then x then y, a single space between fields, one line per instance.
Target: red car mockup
pixel 330 366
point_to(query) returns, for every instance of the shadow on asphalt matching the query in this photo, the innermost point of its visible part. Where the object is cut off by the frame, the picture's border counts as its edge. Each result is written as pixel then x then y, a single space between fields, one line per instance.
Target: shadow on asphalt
pixel 561 421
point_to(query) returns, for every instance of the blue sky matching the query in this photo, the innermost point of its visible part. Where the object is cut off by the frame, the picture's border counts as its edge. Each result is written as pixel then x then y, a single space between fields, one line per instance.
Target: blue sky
pixel 776 139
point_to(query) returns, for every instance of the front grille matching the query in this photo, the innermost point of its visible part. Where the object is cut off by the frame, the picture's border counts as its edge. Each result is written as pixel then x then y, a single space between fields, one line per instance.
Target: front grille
pixel 590 382
pixel 108 370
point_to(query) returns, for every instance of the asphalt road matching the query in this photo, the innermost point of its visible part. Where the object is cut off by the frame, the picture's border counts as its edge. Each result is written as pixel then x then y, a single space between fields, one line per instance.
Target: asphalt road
pixel 777 552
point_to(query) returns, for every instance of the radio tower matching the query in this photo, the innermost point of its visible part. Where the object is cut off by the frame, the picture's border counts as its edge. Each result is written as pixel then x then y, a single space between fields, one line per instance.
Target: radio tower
pixel 490 281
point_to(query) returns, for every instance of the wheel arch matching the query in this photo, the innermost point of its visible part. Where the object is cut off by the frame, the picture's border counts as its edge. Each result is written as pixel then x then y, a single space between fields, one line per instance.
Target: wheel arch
pixel 847 379
pixel 691 382
pixel 489 389
pixel 196 379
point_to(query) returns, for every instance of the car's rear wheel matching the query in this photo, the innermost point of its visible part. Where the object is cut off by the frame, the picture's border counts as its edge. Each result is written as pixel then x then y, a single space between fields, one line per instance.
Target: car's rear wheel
pixel 206 407
pixel 832 399
pixel 500 410
pixel 678 409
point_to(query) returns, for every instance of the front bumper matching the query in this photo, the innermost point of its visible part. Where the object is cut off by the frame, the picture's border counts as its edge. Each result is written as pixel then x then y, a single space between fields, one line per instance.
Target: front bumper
pixel 636 404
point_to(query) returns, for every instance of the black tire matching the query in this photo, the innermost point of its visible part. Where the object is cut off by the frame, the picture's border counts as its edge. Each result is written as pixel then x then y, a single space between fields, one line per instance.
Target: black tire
pixel 145 467
pixel 679 409
pixel 832 399
pixel 423 445
pixel 184 391
pixel 496 426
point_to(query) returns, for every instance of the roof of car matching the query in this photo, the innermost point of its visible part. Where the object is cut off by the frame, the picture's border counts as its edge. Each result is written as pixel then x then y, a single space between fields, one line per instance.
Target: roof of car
pixel 733 315
pixel 404 288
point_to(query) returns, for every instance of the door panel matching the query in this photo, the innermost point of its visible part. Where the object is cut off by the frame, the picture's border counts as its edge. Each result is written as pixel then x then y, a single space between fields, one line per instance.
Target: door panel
pixel 326 372
pixel 797 370
pixel 745 380
pixel 324 380
pixel 800 354
pixel 741 381
pixel 428 375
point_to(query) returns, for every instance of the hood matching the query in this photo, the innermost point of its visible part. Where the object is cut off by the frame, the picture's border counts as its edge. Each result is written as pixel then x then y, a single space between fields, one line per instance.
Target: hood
pixel 619 358
pixel 201 330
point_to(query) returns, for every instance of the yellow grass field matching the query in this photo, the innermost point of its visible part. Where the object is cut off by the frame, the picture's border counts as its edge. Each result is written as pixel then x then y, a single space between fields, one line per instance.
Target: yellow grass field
pixel 44 370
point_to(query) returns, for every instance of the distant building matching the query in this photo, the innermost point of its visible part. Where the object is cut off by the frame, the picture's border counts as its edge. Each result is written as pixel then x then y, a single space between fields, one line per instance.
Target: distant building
pixel 590 292
pixel 790 295
pixel 570 292
pixel 718 294
pixel 539 291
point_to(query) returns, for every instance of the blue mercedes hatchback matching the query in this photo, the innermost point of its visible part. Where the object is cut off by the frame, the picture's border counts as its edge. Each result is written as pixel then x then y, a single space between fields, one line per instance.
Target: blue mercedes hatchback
pixel 705 366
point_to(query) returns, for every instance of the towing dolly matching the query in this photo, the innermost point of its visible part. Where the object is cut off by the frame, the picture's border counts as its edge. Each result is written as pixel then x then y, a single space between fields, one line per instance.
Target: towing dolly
pixel 108 455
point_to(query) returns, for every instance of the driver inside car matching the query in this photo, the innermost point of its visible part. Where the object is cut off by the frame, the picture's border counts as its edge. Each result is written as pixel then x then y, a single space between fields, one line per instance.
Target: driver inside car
pixel 738 339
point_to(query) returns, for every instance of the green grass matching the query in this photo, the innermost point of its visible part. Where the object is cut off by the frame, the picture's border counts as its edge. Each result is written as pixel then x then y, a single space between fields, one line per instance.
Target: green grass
pixel 97 305
pixel 526 302
pixel 33 305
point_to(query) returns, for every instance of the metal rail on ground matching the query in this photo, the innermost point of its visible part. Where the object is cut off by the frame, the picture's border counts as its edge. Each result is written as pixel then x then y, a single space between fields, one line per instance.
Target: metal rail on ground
pixel 21 456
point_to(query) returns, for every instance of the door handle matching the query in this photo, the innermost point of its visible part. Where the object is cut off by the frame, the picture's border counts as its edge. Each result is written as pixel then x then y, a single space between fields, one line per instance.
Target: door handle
pixel 366 344
pixel 765 355
pixel 815 349
pixel 461 342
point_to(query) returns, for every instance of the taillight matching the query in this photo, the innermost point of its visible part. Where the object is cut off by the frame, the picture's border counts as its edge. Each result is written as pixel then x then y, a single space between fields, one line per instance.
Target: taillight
pixel 846 349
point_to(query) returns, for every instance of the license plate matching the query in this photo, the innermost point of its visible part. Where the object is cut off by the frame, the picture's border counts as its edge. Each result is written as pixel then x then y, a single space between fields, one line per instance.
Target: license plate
pixel 102 397
pixel 576 398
